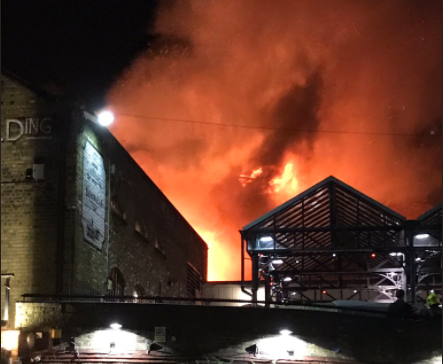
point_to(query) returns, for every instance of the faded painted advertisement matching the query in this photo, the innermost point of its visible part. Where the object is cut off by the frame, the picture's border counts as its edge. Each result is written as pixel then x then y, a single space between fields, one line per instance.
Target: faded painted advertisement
pixel 94 196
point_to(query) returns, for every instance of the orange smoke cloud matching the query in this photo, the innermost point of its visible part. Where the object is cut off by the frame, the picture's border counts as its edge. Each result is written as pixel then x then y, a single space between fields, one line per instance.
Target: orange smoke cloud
pixel 296 72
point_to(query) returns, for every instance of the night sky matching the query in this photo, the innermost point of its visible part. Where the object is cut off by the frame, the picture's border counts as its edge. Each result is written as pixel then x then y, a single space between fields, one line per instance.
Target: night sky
pixel 80 47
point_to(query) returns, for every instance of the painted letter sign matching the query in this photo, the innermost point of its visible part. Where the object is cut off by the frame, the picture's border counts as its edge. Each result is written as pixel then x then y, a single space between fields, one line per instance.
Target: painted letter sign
pixel 94 196
pixel 28 128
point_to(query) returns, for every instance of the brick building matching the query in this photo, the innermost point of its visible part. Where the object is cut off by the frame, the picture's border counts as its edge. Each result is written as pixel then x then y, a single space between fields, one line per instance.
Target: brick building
pixel 79 216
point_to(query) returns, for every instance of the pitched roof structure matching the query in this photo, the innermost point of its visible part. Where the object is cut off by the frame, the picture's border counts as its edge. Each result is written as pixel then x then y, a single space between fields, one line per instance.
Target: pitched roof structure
pixel 431 220
pixel 332 235
pixel 315 192
pixel 329 215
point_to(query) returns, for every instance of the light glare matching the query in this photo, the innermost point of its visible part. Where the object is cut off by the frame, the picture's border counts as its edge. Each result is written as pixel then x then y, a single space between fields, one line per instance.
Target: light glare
pixel 285 332
pixel 115 326
pixel 266 239
pixel 105 118
pixel 422 236
pixel 277 261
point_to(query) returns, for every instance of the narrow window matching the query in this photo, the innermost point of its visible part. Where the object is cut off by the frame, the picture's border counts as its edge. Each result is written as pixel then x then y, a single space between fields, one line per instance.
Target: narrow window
pixel 117 283
pixel 193 281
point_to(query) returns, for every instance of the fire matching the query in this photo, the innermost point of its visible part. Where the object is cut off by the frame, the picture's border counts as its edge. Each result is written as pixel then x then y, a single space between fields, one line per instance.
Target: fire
pixel 250 86
pixel 218 261
pixel 245 179
pixel 286 181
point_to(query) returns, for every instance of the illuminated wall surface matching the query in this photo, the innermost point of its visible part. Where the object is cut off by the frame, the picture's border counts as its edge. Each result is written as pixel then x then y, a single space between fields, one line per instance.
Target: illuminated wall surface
pixel 112 223
pixel 225 332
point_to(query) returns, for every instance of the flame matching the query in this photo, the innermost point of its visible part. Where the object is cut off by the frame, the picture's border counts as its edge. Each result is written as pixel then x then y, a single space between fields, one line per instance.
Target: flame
pixel 217 256
pixel 245 179
pixel 275 71
pixel 286 181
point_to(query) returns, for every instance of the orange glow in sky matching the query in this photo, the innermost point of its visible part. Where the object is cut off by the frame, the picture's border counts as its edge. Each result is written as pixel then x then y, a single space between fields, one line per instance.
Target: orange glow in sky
pixel 305 90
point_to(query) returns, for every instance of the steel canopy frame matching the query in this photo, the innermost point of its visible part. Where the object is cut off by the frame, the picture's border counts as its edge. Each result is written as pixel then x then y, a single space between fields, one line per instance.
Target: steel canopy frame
pixel 334 237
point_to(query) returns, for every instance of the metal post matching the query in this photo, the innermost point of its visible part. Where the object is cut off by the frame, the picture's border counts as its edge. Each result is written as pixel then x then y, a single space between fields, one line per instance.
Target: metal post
pixel 333 212
pixel 267 291
pixel 410 263
pixel 242 286
pixel 412 277
pixel 255 277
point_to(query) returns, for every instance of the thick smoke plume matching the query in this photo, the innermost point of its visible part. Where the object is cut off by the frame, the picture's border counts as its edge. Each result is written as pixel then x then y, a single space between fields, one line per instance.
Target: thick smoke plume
pixel 298 72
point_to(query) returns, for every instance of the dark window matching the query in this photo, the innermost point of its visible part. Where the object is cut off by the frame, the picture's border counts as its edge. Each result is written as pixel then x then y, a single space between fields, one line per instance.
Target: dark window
pixel 193 280
pixel 159 247
pixel 139 291
pixel 117 286
pixel 140 230
pixel 117 209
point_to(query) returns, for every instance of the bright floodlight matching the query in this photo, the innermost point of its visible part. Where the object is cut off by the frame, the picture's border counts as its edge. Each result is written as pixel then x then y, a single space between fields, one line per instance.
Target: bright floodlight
pixel 422 236
pixel 287 279
pixel 396 254
pixel 285 332
pixel 277 261
pixel 266 239
pixel 115 326
pixel 105 118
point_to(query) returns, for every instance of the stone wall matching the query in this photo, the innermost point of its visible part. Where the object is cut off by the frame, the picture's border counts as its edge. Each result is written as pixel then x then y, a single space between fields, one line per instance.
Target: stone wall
pixel 144 236
pixel 41 315
pixel 28 208
pixel 225 332
pixel 147 239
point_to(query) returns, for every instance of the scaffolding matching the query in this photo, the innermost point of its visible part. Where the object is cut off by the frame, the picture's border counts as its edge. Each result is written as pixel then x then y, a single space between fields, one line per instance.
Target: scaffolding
pixel 332 242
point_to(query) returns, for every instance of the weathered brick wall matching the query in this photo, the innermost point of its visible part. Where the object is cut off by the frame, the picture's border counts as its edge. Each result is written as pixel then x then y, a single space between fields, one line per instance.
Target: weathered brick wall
pixel 155 259
pixel 85 265
pixel 28 209
pixel 41 315
pixel 168 239
pixel 227 331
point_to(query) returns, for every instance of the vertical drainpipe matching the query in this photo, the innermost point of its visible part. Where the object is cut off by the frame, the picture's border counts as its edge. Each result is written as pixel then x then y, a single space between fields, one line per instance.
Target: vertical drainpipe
pixel 109 142
pixel 63 124
pixel 242 286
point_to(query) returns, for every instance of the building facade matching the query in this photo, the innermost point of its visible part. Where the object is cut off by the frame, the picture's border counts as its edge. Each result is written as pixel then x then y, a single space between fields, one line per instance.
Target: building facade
pixel 79 216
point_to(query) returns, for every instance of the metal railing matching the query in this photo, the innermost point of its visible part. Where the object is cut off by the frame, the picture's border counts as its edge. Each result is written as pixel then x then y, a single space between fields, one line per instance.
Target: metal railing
pixel 325 307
